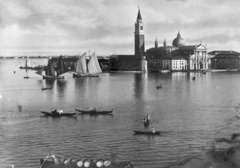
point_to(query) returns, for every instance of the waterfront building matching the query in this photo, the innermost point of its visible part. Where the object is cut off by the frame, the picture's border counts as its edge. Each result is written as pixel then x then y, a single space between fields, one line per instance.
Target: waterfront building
pixel 178 56
pixel 225 60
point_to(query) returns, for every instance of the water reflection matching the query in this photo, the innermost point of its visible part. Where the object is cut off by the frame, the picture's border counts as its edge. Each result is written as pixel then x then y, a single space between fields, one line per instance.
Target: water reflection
pixel 61 87
pixel 140 85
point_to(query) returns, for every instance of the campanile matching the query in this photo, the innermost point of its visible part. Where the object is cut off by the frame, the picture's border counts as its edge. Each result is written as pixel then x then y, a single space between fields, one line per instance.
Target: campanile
pixel 139 36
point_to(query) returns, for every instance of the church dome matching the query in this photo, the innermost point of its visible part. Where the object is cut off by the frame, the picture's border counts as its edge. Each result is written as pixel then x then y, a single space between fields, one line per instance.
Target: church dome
pixel 178 41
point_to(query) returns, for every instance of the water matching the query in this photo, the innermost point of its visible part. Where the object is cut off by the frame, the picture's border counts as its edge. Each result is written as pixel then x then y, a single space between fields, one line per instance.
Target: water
pixel 189 112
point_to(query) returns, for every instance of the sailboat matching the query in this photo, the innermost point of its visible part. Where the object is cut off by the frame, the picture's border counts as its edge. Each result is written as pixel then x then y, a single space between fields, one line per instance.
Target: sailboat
pixel 87 69
pixel 50 70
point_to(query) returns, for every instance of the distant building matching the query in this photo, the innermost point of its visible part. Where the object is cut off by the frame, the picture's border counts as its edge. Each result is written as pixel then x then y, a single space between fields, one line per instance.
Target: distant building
pixel 176 57
pixel 225 60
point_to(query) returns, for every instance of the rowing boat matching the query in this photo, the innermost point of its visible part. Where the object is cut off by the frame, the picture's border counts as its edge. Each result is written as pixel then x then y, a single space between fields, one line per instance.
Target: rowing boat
pixel 147 132
pixel 57 113
pixel 52 161
pixel 93 111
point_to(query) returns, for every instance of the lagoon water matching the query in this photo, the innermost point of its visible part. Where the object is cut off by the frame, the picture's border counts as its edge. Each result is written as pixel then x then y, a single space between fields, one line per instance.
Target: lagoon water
pixel 191 113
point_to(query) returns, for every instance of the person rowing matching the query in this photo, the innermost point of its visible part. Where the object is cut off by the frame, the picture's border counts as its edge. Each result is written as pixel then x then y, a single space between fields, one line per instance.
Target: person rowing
pixel 153 130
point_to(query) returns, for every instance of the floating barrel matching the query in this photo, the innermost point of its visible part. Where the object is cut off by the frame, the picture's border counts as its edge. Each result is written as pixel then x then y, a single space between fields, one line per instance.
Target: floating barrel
pixel 107 163
pixel 66 161
pixel 99 163
pixel 87 163
pixel 73 161
pixel 80 163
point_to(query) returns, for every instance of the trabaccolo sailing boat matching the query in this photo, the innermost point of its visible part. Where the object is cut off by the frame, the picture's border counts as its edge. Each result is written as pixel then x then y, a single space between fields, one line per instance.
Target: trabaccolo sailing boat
pixel 87 69
pixel 50 70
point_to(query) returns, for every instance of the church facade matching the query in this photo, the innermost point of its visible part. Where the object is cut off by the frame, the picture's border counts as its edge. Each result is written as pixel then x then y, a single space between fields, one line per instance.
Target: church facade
pixel 175 57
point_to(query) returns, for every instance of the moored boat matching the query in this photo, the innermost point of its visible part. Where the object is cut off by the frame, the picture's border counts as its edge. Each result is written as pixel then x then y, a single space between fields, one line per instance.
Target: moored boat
pixel 85 75
pixel 52 161
pixel 57 113
pixel 93 111
pixel 147 132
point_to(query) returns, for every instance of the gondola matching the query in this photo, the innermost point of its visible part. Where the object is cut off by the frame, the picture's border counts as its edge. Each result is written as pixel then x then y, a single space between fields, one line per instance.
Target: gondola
pixel 94 111
pixel 52 161
pixel 56 113
pixel 147 132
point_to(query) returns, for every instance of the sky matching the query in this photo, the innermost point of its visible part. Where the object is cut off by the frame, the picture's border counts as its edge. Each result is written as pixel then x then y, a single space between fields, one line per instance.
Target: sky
pixel 72 27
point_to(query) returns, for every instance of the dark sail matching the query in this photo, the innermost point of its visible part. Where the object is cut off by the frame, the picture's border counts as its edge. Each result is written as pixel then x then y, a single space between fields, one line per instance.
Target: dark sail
pixel 61 66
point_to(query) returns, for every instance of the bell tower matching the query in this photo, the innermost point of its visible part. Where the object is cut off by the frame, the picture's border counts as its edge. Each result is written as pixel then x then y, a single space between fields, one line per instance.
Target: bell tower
pixel 139 36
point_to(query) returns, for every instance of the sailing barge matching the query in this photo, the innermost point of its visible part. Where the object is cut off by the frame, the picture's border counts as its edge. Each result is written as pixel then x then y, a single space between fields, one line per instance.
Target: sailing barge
pixel 50 70
pixel 87 69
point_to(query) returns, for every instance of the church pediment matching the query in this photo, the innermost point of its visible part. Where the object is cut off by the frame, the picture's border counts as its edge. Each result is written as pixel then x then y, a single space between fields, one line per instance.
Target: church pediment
pixel 201 47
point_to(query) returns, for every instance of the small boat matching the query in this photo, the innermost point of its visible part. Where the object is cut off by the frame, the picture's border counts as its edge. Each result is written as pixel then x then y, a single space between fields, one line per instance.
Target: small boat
pixel 46 88
pixel 54 161
pixel 87 69
pixel 159 86
pixel 93 111
pixel 26 77
pixel 57 113
pixel 147 132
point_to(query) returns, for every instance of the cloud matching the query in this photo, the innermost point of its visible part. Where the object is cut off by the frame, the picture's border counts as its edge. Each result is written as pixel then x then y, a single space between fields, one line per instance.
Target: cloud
pixel 109 24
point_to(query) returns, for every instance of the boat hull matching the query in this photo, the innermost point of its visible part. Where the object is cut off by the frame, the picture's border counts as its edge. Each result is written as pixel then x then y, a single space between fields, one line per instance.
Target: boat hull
pixel 53 77
pixel 46 88
pixel 147 132
pixel 94 112
pixel 73 163
pixel 85 75
pixel 50 114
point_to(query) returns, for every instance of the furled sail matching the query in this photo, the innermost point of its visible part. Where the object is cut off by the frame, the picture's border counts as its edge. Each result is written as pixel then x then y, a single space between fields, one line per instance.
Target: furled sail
pixel 93 65
pixel 81 66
